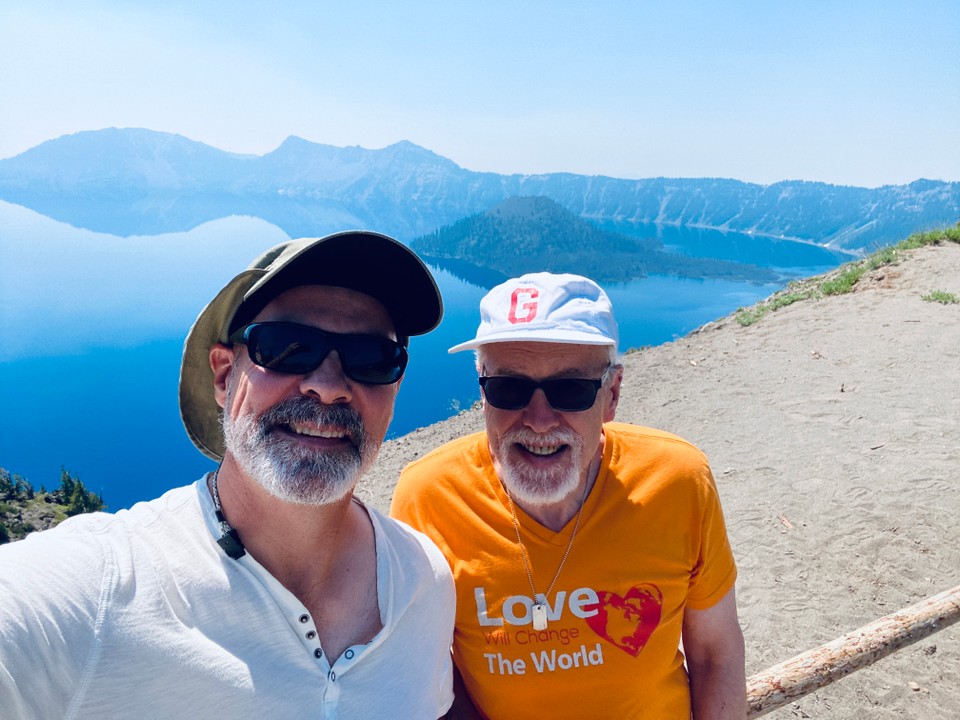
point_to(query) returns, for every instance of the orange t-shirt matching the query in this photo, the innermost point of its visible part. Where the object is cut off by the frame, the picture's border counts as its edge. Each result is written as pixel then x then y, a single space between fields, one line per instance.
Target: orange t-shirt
pixel 651 542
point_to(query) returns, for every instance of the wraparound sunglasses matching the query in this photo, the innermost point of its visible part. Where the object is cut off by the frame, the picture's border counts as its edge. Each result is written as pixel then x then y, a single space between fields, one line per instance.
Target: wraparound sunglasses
pixel 295 349
pixel 509 392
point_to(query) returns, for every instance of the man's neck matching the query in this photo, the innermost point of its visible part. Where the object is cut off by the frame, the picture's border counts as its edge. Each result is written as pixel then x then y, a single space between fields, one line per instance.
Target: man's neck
pixel 288 539
pixel 556 516
pixel 324 554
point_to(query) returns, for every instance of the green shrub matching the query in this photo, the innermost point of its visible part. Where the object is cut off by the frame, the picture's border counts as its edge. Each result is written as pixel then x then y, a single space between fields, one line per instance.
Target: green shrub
pixel 844 281
pixel 749 316
pixel 886 256
pixel 942 297
pixel 848 275
pixel 934 237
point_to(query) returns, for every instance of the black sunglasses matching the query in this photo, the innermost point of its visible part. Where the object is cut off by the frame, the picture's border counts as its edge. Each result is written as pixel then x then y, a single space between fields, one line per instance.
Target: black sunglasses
pixel 507 392
pixel 295 349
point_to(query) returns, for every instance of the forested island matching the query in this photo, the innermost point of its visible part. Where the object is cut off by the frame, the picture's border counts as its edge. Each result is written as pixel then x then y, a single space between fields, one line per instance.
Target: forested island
pixel 530 234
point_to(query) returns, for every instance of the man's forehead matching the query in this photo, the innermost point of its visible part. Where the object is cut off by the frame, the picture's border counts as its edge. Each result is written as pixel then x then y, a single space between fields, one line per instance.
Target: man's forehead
pixel 543 359
pixel 351 310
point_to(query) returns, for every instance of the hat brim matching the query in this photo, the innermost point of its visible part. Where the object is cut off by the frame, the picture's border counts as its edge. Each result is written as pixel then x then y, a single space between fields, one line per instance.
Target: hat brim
pixel 370 263
pixel 199 410
pixel 543 336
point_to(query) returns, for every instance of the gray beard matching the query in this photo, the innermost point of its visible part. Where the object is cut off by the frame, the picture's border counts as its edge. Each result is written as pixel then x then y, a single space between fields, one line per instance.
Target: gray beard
pixel 287 470
pixel 530 486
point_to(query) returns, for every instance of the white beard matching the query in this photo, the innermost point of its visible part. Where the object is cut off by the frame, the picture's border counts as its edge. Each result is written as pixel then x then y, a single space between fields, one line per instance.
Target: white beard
pixel 540 486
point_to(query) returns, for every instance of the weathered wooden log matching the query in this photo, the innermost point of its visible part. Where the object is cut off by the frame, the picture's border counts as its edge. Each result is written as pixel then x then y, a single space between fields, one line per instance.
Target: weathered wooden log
pixel 800 675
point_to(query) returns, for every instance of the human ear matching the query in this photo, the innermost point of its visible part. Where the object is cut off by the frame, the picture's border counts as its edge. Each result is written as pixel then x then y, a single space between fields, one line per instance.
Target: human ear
pixel 221 363
pixel 610 411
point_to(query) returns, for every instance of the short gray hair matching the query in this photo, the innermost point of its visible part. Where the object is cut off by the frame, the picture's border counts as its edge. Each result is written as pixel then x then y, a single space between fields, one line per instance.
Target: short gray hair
pixel 612 355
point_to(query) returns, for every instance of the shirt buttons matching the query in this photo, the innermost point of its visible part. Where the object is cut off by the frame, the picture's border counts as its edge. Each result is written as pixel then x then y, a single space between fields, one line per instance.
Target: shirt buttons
pixel 304 618
pixel 311 635
pixel 349 654
pixel 332 676
pixel 318 653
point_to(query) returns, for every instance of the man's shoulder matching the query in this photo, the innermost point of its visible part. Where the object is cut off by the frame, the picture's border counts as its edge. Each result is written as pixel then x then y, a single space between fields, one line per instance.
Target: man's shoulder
pixel 629 432
pixel 463 449
pixel 71 564
pixel 171 502
pixel 409 546
pixel 145 512
pixel 395 532
pixel 441 477
pixel 629 441
pixel 104 534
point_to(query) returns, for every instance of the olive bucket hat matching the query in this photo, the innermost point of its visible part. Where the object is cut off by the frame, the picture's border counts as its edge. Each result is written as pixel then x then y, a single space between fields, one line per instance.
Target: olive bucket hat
pixel 368 262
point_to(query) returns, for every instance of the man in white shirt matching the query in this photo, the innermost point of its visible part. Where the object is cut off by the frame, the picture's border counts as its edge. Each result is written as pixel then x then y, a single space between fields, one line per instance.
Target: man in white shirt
pixel 264 589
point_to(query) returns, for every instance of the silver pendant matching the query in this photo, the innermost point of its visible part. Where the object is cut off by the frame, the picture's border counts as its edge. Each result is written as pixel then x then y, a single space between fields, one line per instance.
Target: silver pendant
pixel 539 616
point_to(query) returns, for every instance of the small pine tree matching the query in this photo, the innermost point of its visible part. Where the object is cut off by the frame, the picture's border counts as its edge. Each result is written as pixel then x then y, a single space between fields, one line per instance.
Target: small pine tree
pixel 82 500
pixel 6 485
pixel 22 488
pixel 75 503
pixel 67 486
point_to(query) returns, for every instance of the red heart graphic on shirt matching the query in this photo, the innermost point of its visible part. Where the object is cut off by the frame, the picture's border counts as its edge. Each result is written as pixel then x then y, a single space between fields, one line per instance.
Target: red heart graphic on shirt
pixel 627 621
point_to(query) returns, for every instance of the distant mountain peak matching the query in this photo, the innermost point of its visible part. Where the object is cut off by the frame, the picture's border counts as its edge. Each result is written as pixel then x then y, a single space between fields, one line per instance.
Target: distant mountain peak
pixel 119 179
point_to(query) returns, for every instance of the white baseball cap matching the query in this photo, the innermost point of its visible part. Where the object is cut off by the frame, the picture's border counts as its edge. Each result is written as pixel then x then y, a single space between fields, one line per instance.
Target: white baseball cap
pixel 545 307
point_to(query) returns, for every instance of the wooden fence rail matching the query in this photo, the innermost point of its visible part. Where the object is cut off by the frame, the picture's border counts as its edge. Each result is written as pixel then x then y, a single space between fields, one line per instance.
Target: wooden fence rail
pixel 800 675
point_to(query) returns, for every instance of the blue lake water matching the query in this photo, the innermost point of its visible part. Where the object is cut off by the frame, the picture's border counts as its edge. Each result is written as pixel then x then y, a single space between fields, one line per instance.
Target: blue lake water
pixel 93 326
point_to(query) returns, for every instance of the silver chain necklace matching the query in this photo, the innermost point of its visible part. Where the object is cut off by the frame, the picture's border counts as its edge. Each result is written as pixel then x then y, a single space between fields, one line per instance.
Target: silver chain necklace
pixel 539 609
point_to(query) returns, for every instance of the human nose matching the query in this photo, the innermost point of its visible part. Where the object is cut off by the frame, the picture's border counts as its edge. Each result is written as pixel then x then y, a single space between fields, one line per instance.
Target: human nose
pixel 539 414
pixel 327 382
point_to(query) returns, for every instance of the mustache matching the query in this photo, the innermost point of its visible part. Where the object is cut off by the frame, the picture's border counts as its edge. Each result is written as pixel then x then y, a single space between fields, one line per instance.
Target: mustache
pixel 309 411
pixel 525 436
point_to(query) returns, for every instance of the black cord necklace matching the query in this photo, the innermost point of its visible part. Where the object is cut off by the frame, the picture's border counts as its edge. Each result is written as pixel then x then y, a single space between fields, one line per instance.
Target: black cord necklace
pixel 230 539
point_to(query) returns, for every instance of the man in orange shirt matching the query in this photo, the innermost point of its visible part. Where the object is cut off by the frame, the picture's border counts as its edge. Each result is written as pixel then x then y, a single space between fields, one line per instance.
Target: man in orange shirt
pixel 584 551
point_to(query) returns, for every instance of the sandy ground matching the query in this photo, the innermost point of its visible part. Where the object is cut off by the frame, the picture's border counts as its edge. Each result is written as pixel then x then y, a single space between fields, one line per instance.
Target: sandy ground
pixel 832 429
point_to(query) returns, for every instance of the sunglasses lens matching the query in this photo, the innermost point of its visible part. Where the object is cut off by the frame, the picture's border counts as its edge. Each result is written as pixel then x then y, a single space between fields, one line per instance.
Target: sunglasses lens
pixel 563 394
pixel 299 349
pixel 285 348
pixel 571 395
pixel 372 360
pixel 508 393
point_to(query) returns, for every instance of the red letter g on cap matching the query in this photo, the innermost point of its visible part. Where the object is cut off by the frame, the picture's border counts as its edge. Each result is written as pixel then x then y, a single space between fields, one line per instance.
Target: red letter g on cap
pixel 524 300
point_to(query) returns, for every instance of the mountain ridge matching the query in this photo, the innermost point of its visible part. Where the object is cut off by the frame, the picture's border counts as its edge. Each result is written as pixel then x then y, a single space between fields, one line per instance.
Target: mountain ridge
pixel 166 182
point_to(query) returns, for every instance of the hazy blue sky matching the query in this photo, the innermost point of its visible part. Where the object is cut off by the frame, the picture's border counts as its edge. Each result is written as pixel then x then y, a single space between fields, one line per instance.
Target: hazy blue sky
pixel 851 92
